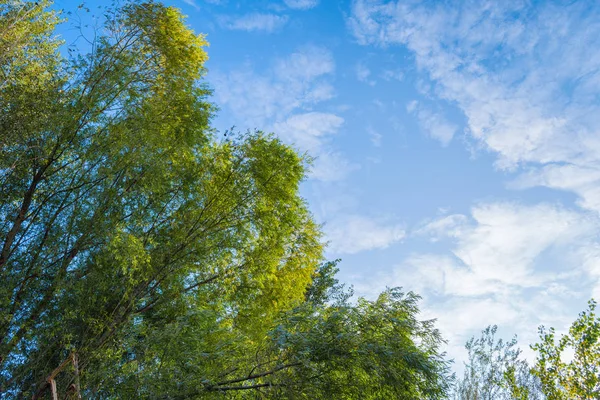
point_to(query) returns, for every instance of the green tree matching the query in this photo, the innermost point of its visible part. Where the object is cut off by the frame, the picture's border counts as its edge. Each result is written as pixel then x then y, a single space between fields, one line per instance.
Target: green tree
pixel 565 368
pixel 173 263
pixel 578 378
pixel 495 370
pixel 119 203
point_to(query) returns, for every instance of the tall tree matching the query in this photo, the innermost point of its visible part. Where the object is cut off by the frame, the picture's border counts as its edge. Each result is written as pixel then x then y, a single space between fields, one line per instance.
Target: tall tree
pixel 118 201
pixel 172 263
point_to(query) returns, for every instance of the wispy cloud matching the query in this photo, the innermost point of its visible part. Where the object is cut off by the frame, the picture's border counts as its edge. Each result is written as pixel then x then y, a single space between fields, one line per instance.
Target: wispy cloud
pixel 332 166
pixel 525 74
pixel 501 242
pixel 293 83
pixel 282 99
pixel 526 77
pixel 301 4
pixel 308 131
pixel 433 124
pixel 363 73
pixel 375 136
pixel 507 265
pixel 447 226
pixel 254 22
pixel 351 234
pixel 307 63
pixel 311 132
pixel 583 179
pixel 390 75
pixel 192 3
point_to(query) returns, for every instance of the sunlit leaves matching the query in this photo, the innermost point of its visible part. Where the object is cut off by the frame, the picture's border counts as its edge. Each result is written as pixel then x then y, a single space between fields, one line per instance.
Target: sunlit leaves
pixel 579 377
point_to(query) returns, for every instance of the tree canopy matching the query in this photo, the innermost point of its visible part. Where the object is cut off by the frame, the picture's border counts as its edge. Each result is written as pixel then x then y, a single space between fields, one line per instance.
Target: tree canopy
pixel 172 262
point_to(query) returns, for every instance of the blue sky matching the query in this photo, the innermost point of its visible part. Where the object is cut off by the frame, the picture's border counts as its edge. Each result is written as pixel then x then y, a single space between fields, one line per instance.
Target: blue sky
pixel 457 144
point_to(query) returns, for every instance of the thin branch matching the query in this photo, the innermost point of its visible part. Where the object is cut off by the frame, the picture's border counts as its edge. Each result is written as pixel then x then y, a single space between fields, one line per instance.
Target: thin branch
pixel 244 387
pixel 260 375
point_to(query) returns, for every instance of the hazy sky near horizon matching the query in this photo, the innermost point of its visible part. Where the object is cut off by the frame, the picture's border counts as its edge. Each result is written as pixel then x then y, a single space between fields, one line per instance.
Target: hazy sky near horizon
pixel 457 144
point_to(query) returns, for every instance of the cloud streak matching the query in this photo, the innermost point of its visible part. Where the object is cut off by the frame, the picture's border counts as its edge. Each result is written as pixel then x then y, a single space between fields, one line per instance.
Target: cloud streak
pixel 350 234
pixel 256 22
pixel 433 124
pixel 283 100
pixel 506 266
pixel 497 62
pixel 301 4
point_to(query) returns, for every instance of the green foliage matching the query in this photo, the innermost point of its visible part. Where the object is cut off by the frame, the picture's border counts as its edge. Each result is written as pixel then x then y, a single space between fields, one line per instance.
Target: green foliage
pixel 173 263
pixel 567 368
pixel 28 56
pixel 370 350
pixel 578 378
pixel 495 371
pixel 122 207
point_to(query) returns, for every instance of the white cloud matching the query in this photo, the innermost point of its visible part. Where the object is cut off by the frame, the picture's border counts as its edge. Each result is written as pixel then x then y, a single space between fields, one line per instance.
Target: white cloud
pixel 282 99
pixel 460 318
pixel 514 265
pixel 351 234
pixel 192 3
pixel 463 304
pixel 525 74
pixel 307 63
pixel 374 136
pixel 307 130
pixel 444 275
pixel 514 311
pixel 293 83
pixel 254 22
pixel 310 132
pixel 502 241
pixel 331 166
pixel 434 124
pixel 390 75
pixel 301 4
pixel 363 73
pixel 455 297
pixel 451 225
pixel 581 179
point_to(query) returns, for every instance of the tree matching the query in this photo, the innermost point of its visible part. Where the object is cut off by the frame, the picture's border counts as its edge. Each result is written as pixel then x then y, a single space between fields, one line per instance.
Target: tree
pixel 567 368
pixel 578 378
pixel 173 263
pixel 119 203
pixel 495 371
